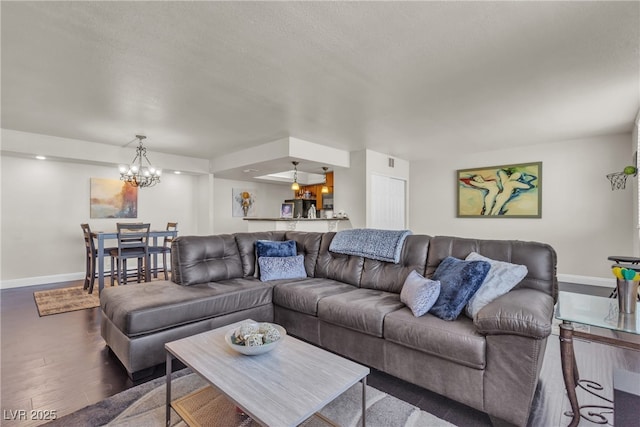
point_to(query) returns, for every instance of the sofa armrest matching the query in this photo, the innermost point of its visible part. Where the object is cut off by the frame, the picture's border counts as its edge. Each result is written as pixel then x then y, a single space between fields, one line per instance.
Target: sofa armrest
pixel 524 312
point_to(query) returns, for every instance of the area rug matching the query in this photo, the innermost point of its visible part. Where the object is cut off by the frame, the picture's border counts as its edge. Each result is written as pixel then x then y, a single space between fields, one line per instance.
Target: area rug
pixel 143 406
pixel 63 300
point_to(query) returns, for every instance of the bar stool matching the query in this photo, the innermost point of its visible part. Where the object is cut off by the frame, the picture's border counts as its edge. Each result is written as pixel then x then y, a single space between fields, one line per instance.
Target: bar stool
pixel 90 258
pixel 164 250
pixel 133 242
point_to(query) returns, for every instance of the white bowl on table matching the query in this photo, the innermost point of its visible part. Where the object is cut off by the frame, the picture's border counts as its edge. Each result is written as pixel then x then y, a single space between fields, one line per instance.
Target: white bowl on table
pixel 258 349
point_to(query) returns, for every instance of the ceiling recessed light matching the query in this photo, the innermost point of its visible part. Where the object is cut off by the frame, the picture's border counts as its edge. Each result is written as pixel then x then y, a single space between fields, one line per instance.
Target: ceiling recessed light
pixel 177 172
pixel 41 158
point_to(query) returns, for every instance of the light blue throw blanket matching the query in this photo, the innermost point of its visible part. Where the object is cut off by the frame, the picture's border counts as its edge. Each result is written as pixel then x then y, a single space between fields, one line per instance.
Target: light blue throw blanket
pixel 383 245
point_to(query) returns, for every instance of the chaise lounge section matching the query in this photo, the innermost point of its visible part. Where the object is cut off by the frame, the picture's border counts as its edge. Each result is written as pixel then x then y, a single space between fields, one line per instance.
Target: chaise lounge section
pixel 351 305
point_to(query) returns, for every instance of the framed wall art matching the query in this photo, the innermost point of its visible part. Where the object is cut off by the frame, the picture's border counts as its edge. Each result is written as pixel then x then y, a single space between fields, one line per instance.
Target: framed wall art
pixel 112 198
pixel 506 191
pixel 286 210
pixel 243 202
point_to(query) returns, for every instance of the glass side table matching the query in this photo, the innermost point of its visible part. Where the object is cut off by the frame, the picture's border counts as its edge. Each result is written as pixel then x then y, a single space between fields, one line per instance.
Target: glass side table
pixel 593 311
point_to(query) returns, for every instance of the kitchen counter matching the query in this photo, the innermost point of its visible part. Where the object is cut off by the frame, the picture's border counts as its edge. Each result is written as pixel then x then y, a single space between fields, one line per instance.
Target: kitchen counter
pixel 298 224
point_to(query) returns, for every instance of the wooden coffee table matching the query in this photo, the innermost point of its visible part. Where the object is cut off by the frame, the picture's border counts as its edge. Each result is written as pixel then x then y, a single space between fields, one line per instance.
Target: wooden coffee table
pixel 281 388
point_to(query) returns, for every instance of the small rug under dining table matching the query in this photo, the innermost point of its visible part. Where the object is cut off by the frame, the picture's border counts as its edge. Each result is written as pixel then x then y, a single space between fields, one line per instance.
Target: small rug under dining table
pixel 64 300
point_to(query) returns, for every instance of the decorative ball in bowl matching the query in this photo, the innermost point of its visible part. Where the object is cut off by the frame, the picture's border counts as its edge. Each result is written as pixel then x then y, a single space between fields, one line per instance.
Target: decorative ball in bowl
pixel 253 338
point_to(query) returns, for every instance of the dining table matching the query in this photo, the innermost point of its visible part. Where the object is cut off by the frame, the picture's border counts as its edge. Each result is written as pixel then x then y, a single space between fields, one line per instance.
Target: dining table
pixel 102 236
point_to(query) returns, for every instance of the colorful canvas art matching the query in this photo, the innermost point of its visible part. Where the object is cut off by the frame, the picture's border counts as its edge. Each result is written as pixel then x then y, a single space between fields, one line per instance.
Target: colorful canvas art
pixel 243 202
pixel 112 198
pixel 508 191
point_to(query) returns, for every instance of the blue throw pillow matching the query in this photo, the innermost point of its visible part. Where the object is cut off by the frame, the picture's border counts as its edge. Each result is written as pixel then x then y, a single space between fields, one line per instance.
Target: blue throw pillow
pixel 459 281
pixel 272 248
pixel 275 268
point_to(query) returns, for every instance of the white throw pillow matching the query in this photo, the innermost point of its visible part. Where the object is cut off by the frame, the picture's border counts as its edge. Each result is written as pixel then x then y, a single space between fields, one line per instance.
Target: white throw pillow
pixel 419 294
pixel 502 277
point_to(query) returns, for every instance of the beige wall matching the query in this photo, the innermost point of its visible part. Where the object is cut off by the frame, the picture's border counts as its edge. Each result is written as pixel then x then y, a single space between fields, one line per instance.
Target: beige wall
pixel 269 197
pixel 42 211
pixel 349 190
pixel 378 164
pixel 352 186
pixel 581 217
pixel 41 240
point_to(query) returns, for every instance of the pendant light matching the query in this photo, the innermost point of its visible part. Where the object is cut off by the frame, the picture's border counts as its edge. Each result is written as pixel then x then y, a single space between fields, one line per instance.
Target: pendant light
pixel 295 186
pixel 325 189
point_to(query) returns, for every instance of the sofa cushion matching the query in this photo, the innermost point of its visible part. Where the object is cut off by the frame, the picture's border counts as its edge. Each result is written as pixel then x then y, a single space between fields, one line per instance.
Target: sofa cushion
pixel 540 258
pixel 456 341
pixel 247 248
pixel 502 277
pixel 388 276
pixel 419 294
pixel 202 259
pixel 282 267
pixel 362 310
pixel 149 307
pixel 523 312
pixel 459 280
pixel 303 296
pixel 308 244
pixel 271 248
pixel 335 266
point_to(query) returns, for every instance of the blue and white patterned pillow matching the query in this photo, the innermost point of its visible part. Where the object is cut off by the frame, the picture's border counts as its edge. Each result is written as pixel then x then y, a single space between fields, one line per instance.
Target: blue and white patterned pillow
pixel 276 268
pixel 419 293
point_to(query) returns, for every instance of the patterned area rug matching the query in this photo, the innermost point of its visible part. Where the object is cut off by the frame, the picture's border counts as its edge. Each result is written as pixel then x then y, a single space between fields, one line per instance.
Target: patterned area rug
pixel 143 405
pixel 63 300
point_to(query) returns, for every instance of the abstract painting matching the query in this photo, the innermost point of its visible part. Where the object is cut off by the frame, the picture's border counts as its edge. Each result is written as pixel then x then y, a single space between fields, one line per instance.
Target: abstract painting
pixel 244 202
pixel 507 191
pixel 112 198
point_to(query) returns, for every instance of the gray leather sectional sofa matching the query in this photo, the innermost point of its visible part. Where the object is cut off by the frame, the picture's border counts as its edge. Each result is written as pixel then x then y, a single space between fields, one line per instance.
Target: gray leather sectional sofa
pixel 351 305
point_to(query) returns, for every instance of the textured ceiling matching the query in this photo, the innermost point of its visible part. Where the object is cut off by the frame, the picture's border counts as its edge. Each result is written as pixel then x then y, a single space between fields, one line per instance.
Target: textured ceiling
pixel 410 79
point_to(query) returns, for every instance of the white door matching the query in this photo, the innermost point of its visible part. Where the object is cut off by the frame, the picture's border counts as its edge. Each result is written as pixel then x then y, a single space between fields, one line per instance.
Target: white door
pixel 387 203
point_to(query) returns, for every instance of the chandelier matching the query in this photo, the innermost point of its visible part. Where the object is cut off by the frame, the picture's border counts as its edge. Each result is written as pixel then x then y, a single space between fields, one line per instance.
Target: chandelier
pixel 136 173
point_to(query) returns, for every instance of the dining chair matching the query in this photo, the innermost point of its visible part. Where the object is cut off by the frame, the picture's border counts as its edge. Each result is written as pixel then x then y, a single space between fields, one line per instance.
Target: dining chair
pixel 91 254
pixel 133 242
pixel 165 250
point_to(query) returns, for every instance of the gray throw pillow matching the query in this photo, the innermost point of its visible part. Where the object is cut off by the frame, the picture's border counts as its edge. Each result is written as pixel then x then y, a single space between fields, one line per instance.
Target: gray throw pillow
pixel 419 293
pixel 501 278
pixel 275 268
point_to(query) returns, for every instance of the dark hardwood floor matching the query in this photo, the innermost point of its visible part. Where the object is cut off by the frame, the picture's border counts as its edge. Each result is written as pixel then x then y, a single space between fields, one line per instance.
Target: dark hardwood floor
pixel 60 363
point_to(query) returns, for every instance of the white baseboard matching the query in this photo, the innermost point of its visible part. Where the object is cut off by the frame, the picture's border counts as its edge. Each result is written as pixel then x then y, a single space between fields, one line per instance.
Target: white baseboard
pixel 588 280
pixel 45 280
pixel 40 280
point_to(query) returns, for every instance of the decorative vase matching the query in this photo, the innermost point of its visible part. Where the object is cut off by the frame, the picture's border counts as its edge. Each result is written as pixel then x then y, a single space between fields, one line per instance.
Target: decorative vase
pixel 627 295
